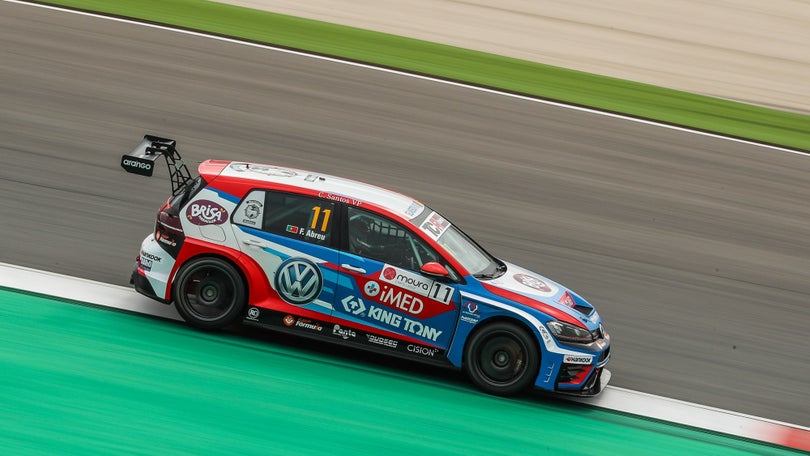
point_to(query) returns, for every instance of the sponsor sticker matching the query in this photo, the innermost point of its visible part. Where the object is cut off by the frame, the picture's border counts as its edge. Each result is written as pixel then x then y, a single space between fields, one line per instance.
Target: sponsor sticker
pixel 416 284
pixel 137 165
pixel 578 359
pixel 371 288
pixel 414 209
pixel 409 325
pixel 164 238
pixel 533 282
pixel 305 323
pixel 206 212
pixel 547 339
pixel 384 341
pixel 345 333
pixel 251 213
pixel 147 259
pixel 253 314
pixel 469 313
pixel 352 305
pixel 567 300
pixel 540 286
pixel 403 291
pixel 435 225
pixel 428 352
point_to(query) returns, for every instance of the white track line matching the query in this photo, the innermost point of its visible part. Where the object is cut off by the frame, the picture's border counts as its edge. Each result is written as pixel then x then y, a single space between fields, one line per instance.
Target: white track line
pixel 406 74
pixel 82 290
pixel 613 398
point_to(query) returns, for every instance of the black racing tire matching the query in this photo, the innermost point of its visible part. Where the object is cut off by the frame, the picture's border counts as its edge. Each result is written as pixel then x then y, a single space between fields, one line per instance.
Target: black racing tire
pixel 502 358
pixel 209 293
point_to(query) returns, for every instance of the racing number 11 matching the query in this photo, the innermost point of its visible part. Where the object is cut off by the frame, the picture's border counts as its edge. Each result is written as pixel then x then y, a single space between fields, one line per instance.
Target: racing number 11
pixel 317 214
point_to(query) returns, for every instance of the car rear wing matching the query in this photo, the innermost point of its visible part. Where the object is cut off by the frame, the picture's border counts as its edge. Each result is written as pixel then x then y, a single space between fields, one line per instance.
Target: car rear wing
pixel 142 160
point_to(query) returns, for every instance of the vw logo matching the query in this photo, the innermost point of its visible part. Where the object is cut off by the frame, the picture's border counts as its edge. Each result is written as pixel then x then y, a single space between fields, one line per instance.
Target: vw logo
pixel 298 281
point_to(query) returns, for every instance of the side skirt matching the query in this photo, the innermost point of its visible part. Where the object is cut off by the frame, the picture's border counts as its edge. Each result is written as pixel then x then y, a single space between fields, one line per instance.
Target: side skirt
pixel 344 335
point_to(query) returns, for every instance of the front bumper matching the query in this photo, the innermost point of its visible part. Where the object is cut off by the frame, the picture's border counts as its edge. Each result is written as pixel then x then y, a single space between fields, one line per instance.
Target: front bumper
pixel 594 386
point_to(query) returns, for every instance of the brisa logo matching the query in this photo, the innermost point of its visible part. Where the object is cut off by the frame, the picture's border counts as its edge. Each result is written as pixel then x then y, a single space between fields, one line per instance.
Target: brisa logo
pixel 205 212
pixel 298 281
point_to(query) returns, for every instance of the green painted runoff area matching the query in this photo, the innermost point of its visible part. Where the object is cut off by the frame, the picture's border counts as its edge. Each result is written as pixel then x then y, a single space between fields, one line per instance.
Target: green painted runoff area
pixel 535 79
pixel 76 379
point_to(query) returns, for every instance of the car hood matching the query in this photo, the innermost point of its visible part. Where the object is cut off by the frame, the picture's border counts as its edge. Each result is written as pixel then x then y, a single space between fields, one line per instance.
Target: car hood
pixel 542 293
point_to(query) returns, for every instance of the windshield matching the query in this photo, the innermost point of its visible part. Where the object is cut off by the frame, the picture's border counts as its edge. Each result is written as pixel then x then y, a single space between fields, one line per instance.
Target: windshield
pixel 467 252
pixel 474 259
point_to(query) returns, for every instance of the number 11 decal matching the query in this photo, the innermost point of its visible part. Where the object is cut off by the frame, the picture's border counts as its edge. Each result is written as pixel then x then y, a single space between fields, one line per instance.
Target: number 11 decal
pixel 317 211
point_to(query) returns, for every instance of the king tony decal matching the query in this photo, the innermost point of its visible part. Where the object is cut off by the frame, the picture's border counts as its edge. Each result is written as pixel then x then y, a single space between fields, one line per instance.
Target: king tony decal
pixel 404 302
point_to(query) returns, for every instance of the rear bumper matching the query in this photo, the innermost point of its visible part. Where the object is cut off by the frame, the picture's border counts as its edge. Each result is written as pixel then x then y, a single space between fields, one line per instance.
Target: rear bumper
pixel 143 286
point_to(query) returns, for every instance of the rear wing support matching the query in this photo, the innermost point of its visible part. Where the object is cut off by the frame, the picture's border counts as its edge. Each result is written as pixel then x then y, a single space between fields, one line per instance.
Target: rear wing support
pixel 142 160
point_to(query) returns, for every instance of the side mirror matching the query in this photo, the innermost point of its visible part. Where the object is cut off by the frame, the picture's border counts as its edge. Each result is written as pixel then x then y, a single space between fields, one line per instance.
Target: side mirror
pixel 434 269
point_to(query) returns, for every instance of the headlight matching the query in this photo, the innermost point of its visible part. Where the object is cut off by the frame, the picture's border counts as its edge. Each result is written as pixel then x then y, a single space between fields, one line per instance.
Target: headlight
pixel 565 332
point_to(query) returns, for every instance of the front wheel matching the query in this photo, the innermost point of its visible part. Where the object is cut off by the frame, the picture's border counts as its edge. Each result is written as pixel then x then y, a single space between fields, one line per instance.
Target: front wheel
pixel 502 359
pixel 209 293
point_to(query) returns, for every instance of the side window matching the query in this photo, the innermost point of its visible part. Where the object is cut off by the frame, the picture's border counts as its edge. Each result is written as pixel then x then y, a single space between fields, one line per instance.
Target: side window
pixel 379 238
pixel 250 211
pixel 299 217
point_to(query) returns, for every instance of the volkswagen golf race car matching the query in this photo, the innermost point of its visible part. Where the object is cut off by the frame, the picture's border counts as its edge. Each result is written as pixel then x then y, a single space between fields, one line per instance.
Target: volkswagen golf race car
pixel 355 264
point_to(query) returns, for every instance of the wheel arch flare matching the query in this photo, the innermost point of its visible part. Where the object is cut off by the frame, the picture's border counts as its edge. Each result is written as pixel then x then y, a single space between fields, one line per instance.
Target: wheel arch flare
pixel 477 312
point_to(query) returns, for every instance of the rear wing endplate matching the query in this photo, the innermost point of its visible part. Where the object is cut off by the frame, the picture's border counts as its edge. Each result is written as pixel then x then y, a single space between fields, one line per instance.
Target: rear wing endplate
pixel 142 160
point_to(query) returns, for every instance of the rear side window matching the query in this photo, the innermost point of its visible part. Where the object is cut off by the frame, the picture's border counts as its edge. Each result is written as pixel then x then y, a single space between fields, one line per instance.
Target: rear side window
pixel 299 217
pixel 250 211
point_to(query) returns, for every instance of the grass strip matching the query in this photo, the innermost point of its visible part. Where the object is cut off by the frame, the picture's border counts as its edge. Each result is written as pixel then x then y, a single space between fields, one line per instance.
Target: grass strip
pixel 513 75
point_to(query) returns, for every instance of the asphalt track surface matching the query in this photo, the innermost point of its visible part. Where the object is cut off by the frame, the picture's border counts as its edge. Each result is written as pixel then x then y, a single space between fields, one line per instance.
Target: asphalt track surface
pixel 694 249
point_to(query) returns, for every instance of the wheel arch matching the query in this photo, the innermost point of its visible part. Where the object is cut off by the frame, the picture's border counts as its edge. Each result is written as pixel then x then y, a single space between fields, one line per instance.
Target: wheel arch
pixel 502 319
pixel 236 265
pixel 252 274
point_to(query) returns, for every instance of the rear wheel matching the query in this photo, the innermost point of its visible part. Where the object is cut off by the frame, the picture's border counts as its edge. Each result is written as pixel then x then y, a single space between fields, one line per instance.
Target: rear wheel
pixel 209 293
pixel 502 359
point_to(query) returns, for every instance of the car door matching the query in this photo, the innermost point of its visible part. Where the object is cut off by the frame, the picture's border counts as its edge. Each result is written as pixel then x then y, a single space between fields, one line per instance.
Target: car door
pixel 380 286
pixel 291 237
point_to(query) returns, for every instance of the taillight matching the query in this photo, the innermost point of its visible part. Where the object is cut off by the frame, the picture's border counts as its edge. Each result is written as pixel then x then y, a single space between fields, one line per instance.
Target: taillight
pixel 169 230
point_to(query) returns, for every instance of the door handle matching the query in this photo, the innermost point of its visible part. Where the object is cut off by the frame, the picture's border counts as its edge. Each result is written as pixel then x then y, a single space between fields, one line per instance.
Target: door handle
pixel 353 268
pixel 254 242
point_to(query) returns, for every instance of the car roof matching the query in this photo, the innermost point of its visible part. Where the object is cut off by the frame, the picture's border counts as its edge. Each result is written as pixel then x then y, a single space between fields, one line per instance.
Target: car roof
pixel 324 185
